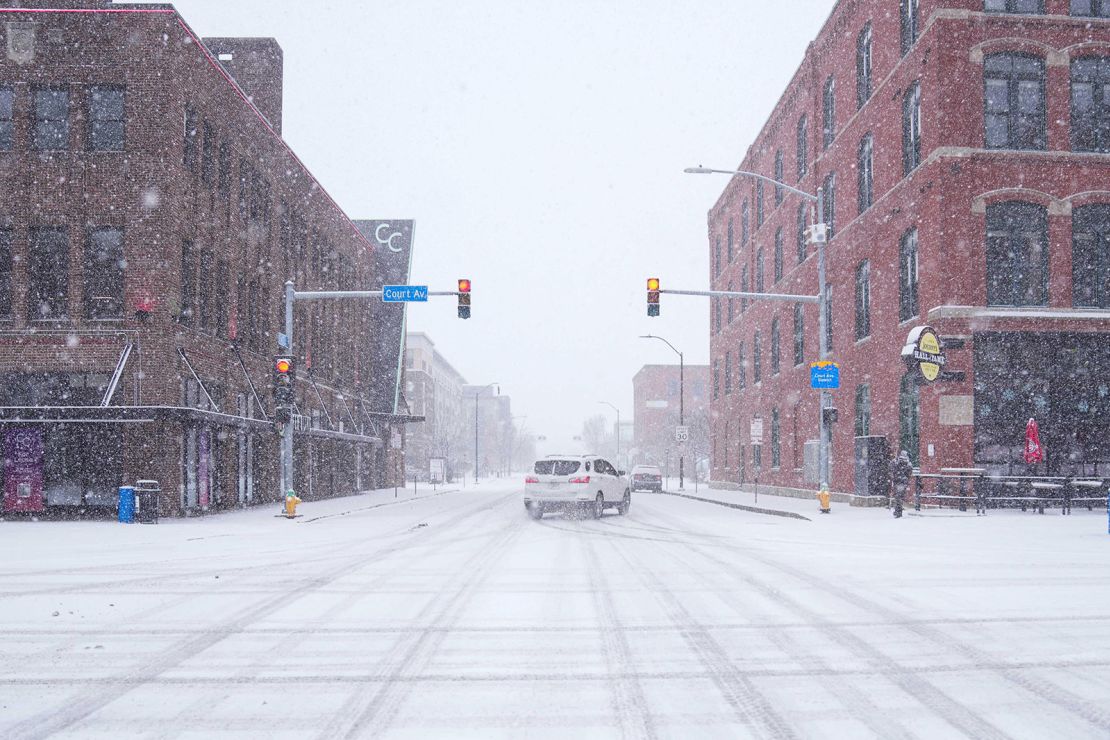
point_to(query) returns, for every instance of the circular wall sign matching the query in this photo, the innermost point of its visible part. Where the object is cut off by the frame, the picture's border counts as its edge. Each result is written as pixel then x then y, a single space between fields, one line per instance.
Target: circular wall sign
pixel 924 349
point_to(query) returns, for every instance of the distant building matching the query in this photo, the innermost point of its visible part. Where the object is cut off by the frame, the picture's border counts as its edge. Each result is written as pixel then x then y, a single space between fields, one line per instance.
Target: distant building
pixel 963 153
pixel 495 431
pixel 151 213
pixel 655 393
pixel 434 390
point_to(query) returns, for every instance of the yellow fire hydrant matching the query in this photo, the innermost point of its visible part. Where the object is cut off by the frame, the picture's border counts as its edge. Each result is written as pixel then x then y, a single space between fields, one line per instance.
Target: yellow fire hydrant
pixel 291 502
pixel 823 500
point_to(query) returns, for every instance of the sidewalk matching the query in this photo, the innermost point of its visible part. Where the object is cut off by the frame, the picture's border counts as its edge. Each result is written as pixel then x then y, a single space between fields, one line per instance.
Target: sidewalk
pixel 775 505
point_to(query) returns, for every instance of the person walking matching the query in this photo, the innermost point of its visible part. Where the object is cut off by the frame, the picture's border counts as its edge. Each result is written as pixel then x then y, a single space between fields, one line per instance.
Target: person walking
pixel 900 471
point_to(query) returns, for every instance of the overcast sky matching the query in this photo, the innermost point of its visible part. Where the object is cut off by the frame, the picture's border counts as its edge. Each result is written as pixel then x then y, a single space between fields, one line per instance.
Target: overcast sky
pixel 539 146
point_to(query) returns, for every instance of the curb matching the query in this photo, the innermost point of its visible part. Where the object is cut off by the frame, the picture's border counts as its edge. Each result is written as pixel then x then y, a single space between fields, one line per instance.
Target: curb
pixel 742 507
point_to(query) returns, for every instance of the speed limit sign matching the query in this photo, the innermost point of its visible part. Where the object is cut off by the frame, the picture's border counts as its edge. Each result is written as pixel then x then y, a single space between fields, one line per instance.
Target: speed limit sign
pixel 681 434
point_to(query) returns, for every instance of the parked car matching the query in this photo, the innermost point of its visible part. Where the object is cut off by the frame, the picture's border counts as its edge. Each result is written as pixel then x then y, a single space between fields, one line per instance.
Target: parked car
pixel 646 478
pixel 576 484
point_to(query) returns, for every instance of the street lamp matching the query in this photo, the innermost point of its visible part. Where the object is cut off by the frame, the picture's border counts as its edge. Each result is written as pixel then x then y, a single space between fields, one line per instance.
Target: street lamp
pixel 681 408
pixel 477 394
pixel 618 429
pixel 817 235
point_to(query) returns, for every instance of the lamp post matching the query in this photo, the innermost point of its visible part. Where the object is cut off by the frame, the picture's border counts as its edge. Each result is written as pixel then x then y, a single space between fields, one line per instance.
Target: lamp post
pixel 817 235
pixel 681 408
pixel 477 394
pixel 618 430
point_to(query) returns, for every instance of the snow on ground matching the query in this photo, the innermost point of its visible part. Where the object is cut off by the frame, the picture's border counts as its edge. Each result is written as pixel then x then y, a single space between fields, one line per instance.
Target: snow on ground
pixel 455 615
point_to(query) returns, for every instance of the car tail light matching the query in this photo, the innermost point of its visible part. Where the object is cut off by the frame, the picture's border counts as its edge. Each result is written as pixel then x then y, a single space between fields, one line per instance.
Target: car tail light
pixel 580 479
pixel 531 479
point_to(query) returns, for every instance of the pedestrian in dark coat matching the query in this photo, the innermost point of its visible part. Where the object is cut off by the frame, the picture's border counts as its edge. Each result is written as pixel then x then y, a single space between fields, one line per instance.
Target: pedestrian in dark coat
pixel 900 471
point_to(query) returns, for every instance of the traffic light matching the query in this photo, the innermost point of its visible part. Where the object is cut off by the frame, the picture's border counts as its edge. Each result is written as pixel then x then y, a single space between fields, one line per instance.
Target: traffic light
pixel 285 380
pixel 464 298
pixel 653 296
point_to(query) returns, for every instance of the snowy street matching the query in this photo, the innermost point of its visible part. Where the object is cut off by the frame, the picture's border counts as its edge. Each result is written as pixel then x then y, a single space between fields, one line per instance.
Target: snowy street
pixel 455 615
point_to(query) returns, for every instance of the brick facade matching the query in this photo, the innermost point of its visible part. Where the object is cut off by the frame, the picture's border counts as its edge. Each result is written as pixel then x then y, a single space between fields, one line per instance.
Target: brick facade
pixel 947 195
pixel 655 398
pixel 215 212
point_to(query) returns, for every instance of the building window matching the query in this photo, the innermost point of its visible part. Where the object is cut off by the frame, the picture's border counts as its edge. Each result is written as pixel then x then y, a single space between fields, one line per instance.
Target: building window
pixel 192 120
pixel 776 346
pixel 863 300
pixel 828 317
pixel 1017 254
pixel 223 183
pixel 803 222
pixel 104 265
pixel 799 335
pixel 757 358
pixel 205 297
pixel 51 119
pixel 865 174
pixel 744 286
pixel 1014 6
pixel 716 315
pixel 759 271
pixel 48 270
pixel 717 259
pixel 803 147
pixel 728 373
pixel 1091 8
pixel 1090 256
pixel 106 119
pixel 828 195
pixel 221 308
pixel 863 66
pixel 758 203
pixel 1090 103
pixel 757 458
pixel 778 254
pixel 907 276
pixel 729 241
pixel 189 284
pixel 776 435
pixel 7 113
pixel 779 192
pixel 741 368
pixel 1014 101
pixel 863 410
pixel 730 303
pixel 911 129
pixel 716 379
pixel 5 273
pixel 744 224
pixel 909 414
pixel 828 113
pixel 208 155
pixel 909 17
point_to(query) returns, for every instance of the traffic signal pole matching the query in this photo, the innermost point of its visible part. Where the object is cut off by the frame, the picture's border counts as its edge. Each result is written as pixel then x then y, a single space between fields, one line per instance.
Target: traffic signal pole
pixel 291 295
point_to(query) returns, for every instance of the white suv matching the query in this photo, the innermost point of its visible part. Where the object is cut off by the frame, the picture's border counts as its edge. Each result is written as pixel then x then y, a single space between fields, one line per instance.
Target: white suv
pixel 584 484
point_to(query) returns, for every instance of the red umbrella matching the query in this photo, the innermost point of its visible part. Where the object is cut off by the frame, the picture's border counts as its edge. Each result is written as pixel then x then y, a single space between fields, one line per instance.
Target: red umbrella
pixel 1034 453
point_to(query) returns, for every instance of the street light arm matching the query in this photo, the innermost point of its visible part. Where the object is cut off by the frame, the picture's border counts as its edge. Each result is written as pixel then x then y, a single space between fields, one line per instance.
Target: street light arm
pixel 661 339
pixel 699 170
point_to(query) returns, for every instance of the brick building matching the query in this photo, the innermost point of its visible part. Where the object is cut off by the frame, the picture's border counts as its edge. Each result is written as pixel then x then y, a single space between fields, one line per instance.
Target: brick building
pixel 964 150
pixel 655 399
pixel 151 213
pixel 434 391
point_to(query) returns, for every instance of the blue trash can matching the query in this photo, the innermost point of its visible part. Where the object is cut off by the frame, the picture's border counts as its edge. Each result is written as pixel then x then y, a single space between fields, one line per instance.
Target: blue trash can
pixel 127 504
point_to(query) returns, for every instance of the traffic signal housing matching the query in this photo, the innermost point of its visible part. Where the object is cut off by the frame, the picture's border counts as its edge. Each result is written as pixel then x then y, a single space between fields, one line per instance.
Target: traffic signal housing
pixel 653 296
pixel 464 298
pixel 285 381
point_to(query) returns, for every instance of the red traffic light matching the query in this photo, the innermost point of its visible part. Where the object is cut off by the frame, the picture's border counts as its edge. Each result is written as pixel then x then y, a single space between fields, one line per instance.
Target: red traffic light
pixel 283 365
pixel 464 285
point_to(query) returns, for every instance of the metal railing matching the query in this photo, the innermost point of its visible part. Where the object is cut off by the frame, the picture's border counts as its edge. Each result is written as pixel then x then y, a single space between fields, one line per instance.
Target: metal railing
pixel 966 487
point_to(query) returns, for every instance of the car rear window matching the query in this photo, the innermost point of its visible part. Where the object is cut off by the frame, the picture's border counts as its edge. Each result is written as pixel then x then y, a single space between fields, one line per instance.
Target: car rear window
pixel 557 467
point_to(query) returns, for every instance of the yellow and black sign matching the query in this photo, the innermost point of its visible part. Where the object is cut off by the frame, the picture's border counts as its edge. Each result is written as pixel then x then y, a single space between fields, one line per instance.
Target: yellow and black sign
pixel 925 351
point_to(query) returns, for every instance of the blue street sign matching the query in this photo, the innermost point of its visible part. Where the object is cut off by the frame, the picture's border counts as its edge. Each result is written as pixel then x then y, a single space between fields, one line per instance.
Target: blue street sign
pixel 404 293
pixel 824 375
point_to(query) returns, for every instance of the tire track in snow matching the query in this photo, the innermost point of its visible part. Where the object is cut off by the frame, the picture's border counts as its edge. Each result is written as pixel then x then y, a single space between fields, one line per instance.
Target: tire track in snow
pixel 84 704
pixel 633 714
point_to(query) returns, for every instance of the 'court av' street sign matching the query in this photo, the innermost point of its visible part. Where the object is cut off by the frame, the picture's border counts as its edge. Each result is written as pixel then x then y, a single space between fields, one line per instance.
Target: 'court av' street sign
pixel 404 293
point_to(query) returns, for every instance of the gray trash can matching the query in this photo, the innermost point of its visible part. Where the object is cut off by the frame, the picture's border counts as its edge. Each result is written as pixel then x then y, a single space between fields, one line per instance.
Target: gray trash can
pixel 147 494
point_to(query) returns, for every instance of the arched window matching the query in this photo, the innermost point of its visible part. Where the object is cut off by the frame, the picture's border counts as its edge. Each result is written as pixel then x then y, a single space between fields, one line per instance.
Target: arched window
pixel 1017 254
pixel 803 147
pixel 1014 101
pixel 828 112
pixel 776 345
pixel 1090 103
pixel 863 66
pixel 865 173
pixel 1091 256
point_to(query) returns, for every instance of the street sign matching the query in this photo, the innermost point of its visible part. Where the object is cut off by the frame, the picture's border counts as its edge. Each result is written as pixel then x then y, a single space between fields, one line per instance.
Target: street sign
pixel 404 293
pixel 824 375
pixel 283 340
pixel 436 469
pixel 755 429
pixel 682 434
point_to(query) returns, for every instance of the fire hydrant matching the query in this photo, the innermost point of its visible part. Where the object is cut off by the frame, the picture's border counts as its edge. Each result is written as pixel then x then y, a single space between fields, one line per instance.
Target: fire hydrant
pixel 291 502
pixel 823 500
